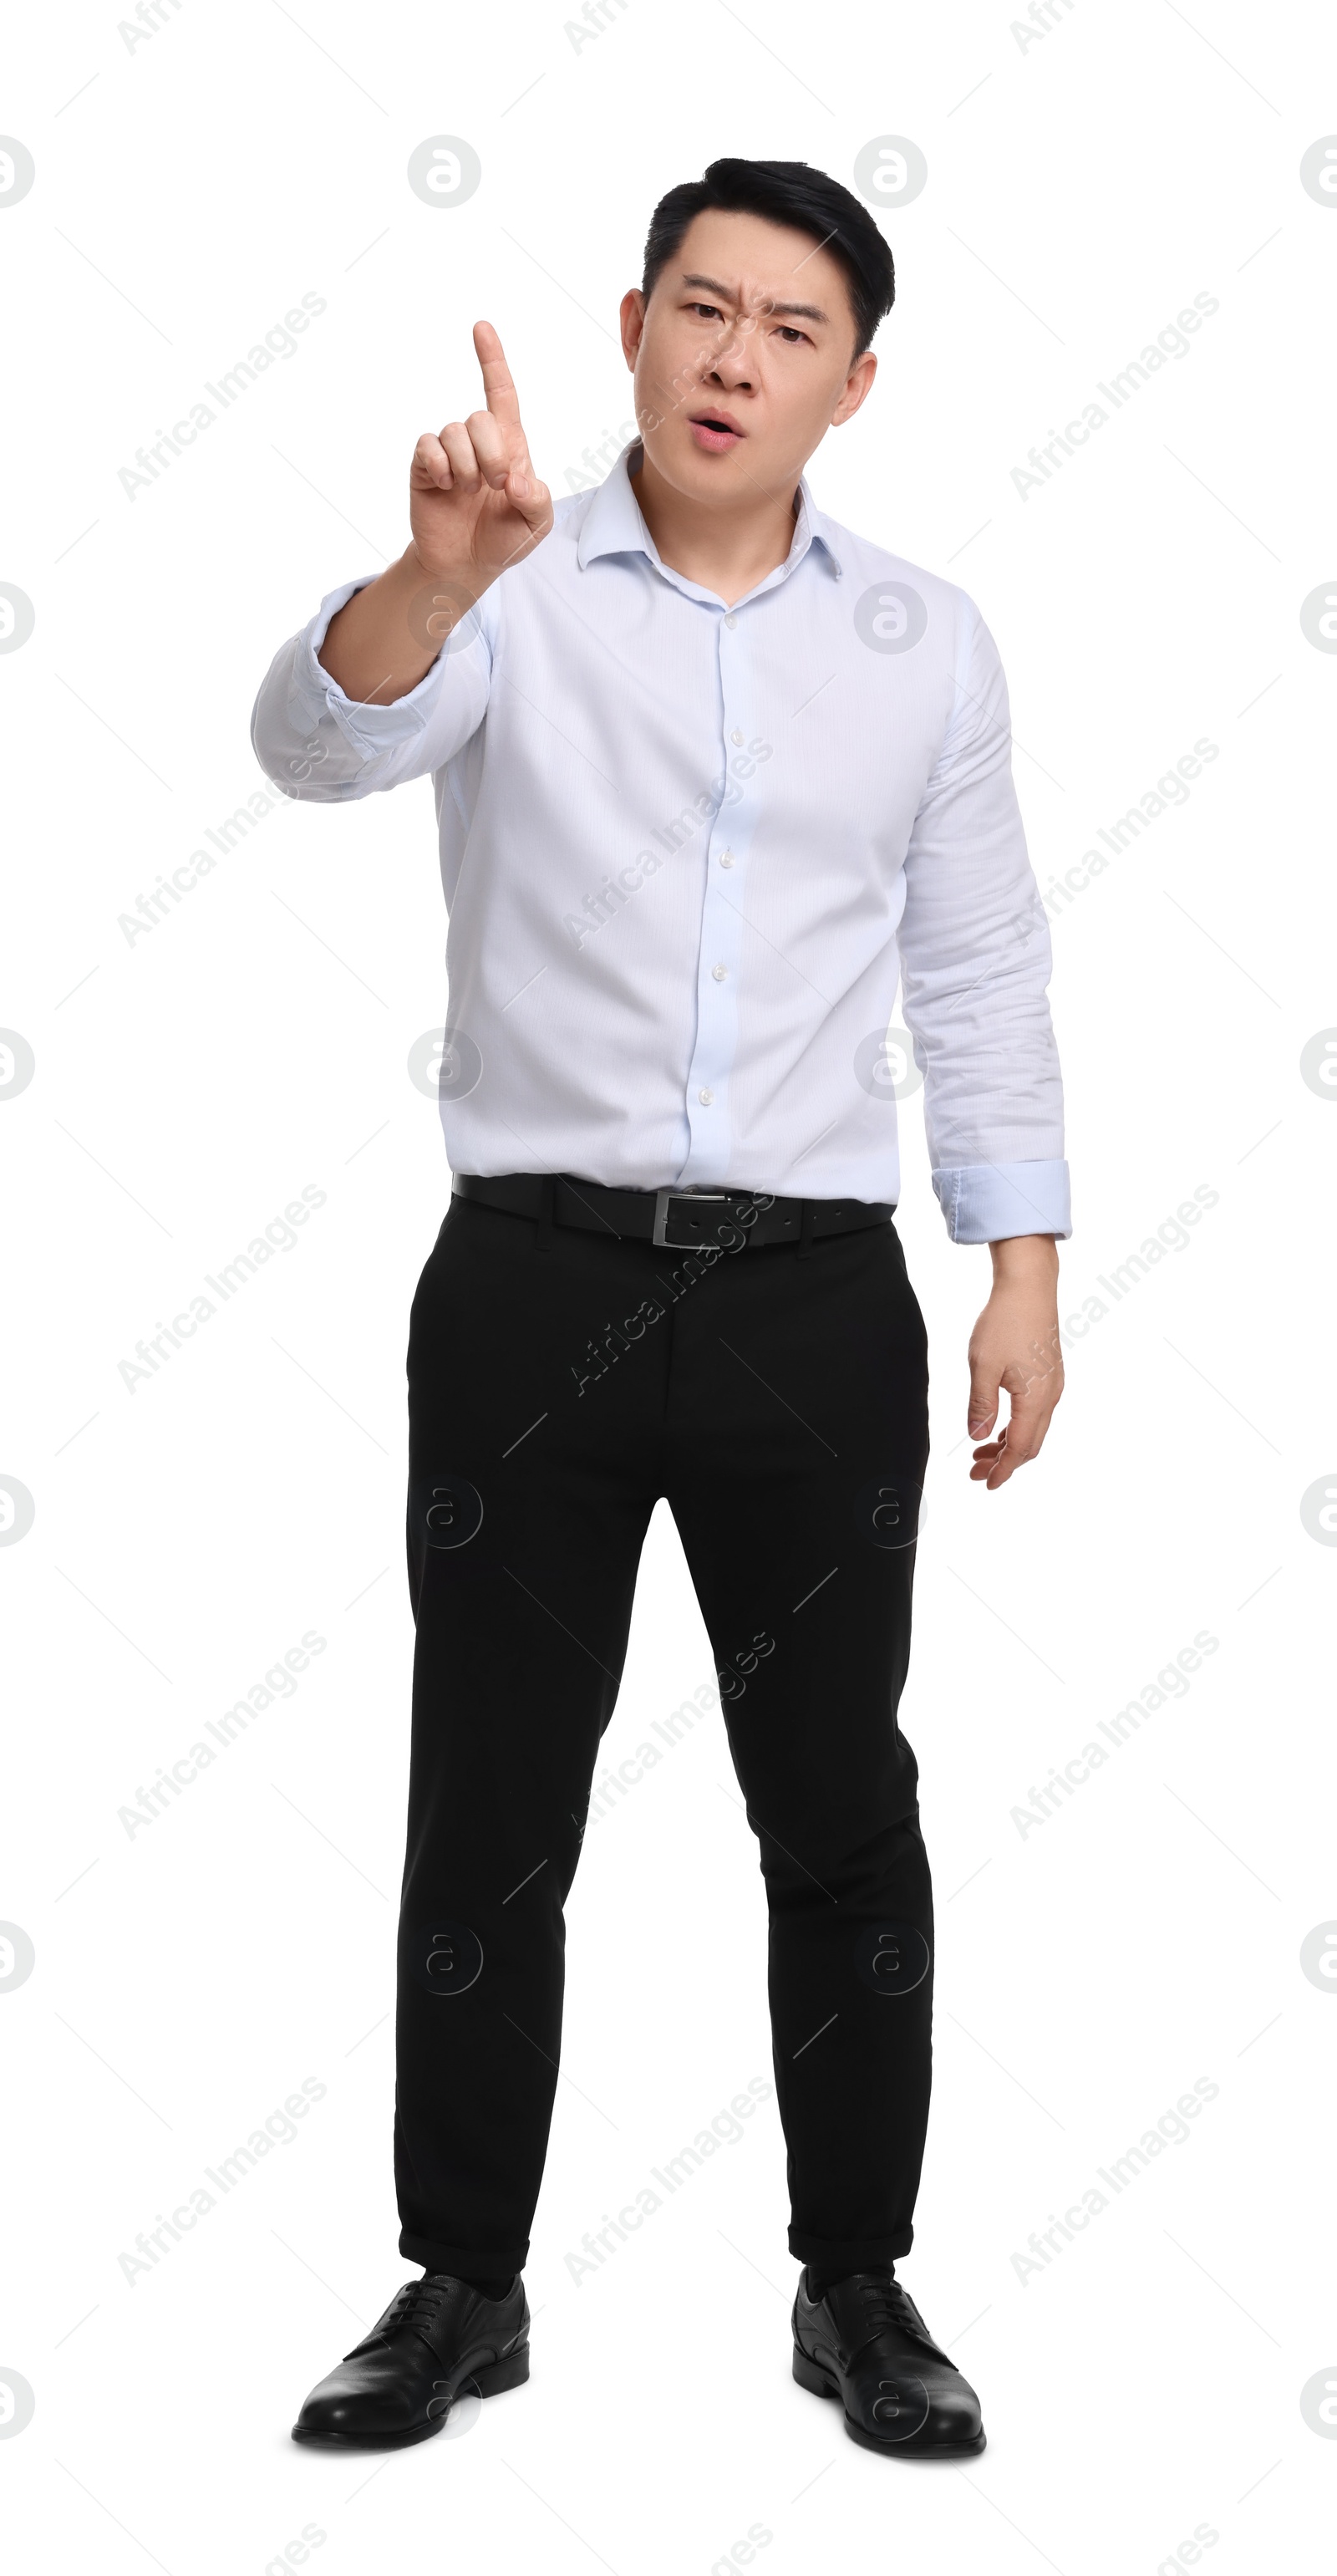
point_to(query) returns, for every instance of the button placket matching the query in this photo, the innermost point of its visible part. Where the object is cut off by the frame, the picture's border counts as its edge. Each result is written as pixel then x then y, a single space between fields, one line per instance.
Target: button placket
pixel 721 926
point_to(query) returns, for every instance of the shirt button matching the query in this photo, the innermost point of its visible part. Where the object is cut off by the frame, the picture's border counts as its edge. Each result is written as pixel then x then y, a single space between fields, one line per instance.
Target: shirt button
pixel 731 620
pixel 719 973
pixel 735 736
pixel 726 858
pixel 705 1098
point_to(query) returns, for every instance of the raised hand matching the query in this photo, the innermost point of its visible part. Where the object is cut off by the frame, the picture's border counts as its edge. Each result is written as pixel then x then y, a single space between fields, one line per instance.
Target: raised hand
pixel 475 502
pixel 475 507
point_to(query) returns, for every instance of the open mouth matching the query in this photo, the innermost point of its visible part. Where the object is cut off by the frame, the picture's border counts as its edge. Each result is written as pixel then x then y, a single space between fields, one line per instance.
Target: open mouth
pixel 714 432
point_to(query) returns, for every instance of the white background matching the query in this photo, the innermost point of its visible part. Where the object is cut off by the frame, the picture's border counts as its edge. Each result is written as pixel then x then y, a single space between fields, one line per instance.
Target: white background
pixel 1082 188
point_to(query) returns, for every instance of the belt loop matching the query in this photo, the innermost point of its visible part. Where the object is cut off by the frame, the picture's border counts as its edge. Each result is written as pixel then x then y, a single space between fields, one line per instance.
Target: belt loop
pixel 543 1238
pixel 807 1227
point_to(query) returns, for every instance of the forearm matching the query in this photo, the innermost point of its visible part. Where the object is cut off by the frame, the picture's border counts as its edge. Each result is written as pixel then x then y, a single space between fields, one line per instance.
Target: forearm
pixel 1027 1263
pixel 385 640
pixel 320 746
pixel 1022 1332
pixel 1015 1350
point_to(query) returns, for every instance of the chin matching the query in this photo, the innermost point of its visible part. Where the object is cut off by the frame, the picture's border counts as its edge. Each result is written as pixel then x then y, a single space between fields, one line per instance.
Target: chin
pixel 697 470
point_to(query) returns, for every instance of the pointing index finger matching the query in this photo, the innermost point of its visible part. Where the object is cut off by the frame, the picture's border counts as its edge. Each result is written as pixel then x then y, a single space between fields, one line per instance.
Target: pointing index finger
pixel 502 399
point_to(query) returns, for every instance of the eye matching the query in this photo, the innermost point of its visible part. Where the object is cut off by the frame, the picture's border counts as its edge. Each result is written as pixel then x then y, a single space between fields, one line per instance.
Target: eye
pixel 706 309
pixel 790 334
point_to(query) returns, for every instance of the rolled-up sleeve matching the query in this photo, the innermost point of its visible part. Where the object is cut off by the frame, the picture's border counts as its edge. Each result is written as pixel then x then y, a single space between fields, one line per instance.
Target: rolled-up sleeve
pixel 322 747
pixel 975 967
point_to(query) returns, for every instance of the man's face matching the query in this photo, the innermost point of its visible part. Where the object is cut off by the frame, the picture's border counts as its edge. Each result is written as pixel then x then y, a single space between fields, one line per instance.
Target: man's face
pixel 742 357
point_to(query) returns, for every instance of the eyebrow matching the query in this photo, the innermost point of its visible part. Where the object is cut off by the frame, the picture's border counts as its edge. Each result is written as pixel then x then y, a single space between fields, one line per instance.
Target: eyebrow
pixel 810 312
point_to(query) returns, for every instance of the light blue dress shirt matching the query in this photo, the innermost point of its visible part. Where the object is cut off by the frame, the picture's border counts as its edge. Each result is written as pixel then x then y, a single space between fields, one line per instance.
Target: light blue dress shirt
pixel 687 851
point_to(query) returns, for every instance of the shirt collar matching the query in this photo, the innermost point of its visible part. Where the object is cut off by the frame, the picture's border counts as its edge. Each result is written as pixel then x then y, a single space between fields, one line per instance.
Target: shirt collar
pixel 614 524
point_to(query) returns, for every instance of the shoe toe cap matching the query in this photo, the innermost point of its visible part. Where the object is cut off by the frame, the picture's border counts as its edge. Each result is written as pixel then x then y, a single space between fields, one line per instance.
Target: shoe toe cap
pixel 954 2414
pixel 350 2406
pixel 898 2407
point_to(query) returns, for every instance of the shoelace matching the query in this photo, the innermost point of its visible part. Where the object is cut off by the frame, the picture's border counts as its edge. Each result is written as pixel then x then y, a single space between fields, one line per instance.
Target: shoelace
pixel 417 2300
pixel 885 2303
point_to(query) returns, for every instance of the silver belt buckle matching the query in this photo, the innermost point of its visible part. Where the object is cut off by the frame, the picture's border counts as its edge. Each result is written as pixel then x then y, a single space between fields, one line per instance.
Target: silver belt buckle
pixel 663 1201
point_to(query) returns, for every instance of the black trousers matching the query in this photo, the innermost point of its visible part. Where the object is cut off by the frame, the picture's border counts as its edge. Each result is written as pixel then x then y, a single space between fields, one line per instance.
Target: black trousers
pixel 559 1383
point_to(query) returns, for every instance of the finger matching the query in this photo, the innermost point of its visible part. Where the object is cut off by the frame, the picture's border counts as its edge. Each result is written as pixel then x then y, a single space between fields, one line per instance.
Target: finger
pixel 431 463
pixel 532 499
pixel 1042 1422
pixel 1032 1413
pixel 1022 1437
pixel 502 399
pixel 1019 1442
pixel 982 1410
pixel 496 447
pixel 994 1465
pixel 464 464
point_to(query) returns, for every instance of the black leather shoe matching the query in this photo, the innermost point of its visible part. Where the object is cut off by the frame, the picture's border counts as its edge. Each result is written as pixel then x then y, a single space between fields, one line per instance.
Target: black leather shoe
pixel 437 2338
pixel 867 2344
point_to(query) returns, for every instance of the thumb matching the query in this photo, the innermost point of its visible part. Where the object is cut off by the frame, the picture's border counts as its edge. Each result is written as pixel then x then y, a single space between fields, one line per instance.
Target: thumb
pixel 982 1410
pixel 530 497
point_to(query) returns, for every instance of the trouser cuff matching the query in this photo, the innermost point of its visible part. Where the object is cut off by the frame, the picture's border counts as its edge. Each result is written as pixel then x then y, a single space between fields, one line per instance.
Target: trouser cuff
pixel 838 2255
pixel 474 2262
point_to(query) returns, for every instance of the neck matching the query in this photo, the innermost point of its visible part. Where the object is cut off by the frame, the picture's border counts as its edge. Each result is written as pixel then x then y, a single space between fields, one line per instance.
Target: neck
pixel 727 547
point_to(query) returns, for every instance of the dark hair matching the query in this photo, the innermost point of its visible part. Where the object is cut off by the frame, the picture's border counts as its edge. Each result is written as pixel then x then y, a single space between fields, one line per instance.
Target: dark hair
pixel 785 192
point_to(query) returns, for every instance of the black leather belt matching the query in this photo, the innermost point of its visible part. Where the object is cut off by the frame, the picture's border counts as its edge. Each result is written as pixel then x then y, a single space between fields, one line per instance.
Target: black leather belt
pixel 678 1219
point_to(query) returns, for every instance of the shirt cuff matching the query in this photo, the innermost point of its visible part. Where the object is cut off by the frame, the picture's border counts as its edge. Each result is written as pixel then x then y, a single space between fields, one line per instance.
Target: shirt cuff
pixel 987 1202
pixel 369 729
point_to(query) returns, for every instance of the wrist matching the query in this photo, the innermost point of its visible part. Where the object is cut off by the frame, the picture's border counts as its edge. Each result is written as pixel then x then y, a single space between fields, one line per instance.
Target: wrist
pixel 1025 1259
pixel 462 582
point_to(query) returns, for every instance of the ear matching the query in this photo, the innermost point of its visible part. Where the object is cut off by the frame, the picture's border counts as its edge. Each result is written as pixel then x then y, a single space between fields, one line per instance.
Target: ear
pixel 631 316
pixel 857 386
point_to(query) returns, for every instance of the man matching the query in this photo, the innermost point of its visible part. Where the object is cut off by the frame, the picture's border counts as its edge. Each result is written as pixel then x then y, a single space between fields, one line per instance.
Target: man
pixel 709 769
